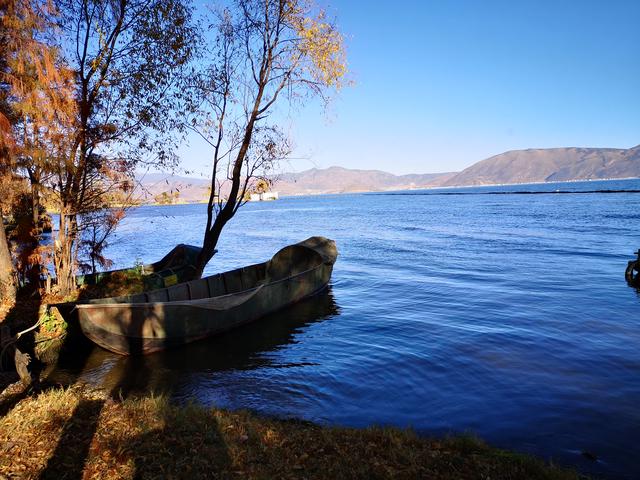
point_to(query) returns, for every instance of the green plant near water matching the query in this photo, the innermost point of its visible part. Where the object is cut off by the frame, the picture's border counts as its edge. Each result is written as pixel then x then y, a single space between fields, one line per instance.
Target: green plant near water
pixel 138 266
pixel 52 325
pixel 49 337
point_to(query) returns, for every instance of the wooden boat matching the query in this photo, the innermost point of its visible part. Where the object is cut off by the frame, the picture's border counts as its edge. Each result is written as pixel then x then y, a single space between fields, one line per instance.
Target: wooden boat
pixel 175 267
pixel 164 318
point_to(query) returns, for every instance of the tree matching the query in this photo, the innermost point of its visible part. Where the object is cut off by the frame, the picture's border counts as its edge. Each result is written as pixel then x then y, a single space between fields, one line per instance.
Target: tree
pixel 127 57
pixel 7 276
pixel 86 87
pixel 7 283
pixel 11 27
pixel 166 198
pixel 262 186
pixel 98 226
pixel 266 52
pixel 39 98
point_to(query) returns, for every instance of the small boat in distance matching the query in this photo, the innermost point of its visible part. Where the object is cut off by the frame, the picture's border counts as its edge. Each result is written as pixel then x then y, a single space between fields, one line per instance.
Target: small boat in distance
pixel 175 267
pixel 186 312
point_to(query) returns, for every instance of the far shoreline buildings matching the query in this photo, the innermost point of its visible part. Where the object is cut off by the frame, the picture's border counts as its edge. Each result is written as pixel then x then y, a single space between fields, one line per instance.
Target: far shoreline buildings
pixel 263 197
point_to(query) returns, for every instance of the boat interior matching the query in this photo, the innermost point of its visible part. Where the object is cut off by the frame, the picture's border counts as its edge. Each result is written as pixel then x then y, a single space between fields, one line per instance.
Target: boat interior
pixel 289 261
pixel 182 256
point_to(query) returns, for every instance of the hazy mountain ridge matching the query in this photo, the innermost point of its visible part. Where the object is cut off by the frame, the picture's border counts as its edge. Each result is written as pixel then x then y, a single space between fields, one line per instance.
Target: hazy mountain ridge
pixel 343 180
pixel 189 189
pixel 516 166
pixel 551 165
pixel 309 182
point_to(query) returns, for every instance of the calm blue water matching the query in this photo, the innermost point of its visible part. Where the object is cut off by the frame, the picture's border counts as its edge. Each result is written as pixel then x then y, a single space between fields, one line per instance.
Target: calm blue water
pixel 503 315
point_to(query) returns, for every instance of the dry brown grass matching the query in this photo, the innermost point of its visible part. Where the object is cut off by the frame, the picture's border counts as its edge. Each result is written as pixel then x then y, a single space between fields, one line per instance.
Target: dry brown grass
pixel 79 433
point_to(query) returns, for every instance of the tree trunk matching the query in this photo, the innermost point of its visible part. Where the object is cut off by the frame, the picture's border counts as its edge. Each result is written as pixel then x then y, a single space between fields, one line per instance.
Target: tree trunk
pixel 34 179
pixel 211 236
pixel 35 205
pixel 7 277
pixel 64 254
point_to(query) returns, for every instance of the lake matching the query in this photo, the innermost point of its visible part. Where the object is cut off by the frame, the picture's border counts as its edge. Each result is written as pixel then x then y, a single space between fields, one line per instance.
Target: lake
pixel 459 310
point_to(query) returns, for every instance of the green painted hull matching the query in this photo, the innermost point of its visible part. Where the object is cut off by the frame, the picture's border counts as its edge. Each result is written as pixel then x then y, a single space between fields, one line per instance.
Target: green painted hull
pixel 165 318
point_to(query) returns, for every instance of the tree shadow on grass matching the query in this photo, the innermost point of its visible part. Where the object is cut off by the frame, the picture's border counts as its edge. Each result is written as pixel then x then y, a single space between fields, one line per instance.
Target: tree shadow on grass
pixel 181 438
pixel 189 444
pixel 178 440
pixel 72 450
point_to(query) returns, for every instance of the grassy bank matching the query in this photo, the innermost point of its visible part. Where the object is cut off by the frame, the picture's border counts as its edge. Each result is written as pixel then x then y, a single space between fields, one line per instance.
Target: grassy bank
pixel 75 432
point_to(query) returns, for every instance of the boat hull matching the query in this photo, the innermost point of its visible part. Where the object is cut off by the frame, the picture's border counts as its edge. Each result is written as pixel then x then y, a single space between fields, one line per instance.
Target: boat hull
pixel 197 309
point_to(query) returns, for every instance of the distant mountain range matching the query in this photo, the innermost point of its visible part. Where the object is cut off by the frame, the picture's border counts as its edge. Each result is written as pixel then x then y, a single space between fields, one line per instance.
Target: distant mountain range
pixel 342 180
pixel 551 165
pixel 156 187
pixel 516 166
pixel 152 187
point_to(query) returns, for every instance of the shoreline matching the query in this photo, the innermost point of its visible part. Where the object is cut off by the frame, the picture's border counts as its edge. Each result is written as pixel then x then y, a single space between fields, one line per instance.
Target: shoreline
pixel 417 189
pixel 84 432
pixel 412 189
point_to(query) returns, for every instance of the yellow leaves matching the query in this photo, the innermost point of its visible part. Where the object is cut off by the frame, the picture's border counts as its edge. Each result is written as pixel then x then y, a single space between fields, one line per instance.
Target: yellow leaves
pixel 322 45
pixel 261 186
pixel 271 437
pixel 6 137
pixel 40 84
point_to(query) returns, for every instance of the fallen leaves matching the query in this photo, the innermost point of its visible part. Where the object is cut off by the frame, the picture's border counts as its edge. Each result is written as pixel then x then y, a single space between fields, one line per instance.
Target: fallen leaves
pixel 85 431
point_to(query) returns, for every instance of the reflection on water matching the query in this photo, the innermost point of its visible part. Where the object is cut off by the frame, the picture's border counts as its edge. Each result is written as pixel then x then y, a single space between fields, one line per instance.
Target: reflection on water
pixel 240 349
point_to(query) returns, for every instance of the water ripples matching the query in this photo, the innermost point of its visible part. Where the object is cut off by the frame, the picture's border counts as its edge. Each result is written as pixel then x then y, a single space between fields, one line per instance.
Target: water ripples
pixel 505 316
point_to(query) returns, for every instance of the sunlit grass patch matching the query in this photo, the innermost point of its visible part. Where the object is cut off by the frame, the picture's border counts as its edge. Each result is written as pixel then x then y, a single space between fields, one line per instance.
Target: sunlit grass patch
pixel 83 433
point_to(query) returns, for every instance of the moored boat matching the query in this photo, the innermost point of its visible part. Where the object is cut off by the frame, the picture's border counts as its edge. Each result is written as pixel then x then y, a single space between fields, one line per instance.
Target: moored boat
pixel 186 312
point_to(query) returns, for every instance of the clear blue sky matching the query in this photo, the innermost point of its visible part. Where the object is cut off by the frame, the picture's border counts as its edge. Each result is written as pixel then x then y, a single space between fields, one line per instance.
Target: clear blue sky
pixel 442 84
